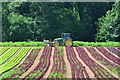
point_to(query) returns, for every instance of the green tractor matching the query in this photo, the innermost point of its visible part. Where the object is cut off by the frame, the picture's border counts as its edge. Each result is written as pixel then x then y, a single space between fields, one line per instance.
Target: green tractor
pixel 64 40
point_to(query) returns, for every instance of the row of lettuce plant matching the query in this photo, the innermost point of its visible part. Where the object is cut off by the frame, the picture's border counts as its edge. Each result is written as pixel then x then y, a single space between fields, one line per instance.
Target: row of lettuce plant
pixel 42 66
pixel 98 70
pixel 114 50
pixel 28 62
pixel 78 70
pixel 109 55
pixel 111 66
pixel 8 54
pixel 22 68
pixel 118 48
pixel 14 60
pixel 3 50
pixel 59 68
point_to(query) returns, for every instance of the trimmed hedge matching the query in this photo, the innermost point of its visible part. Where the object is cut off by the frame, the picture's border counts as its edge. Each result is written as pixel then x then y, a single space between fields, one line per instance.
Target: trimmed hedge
pixel 75 44
pixel 22 44
pixel 96 44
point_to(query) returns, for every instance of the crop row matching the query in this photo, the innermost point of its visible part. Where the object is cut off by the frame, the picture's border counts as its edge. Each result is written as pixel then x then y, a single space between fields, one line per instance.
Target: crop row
pixel 98 71
pixel 8 55
pixel 14 60
pixel 108 55
pixel 78 70
pixel 118 48
pixel 111 66
pixel 28 62
pixel 59 68
pixel 115 51
pixel 3 49
pixel 42 66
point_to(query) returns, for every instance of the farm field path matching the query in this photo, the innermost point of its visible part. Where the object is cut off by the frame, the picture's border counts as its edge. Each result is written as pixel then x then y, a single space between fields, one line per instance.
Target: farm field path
pixel 117 49
pixel 50 66
pixel 104 56
pixel 99 63
pixel 112 53
pixel 34 64
pixel 68 67
pixel 5 52
pixel 90 73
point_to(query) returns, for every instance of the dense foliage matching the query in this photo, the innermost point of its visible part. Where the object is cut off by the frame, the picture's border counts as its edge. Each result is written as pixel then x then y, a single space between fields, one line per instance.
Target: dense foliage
pixel 75 44
pixel 109 26
pixel 20 44
pixel 96 44
pixel 35 21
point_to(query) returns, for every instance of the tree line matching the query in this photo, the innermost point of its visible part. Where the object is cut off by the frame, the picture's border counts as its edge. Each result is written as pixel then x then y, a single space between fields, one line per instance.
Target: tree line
pixel 35 21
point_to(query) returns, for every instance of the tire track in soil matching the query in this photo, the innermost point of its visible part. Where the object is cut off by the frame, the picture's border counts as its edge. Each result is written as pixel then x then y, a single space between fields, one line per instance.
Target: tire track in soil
pixel 50 66
pixel 34 64
pixel 90 73
pixel 68 67
pixel 104 56
pixel 117 48
pixel 111 53
pixel 99 63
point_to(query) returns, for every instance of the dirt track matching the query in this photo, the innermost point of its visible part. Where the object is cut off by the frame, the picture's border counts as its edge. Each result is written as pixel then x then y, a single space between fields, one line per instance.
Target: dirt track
pixel 112 53
pixel 90 73
pixel 68 71
pixel 34 64
pixel 98 62
pixel 104 56
pixel 51 64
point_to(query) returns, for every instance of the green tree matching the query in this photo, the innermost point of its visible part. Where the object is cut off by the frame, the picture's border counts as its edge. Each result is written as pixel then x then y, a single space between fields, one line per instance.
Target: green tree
pixel 60 17
pixel 23 21
pixel 109 25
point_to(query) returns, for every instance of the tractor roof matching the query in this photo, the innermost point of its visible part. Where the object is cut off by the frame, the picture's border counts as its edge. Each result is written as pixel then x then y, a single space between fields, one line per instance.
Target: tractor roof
pixel 58 39
pixel 66 33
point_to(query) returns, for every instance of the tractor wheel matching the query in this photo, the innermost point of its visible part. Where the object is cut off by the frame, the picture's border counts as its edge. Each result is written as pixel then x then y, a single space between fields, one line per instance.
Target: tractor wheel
pixel 68 43
pixel 56 44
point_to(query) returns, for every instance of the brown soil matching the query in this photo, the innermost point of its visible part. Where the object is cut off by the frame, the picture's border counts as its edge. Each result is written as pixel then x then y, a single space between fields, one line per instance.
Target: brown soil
pixel 117 49
pixel 98 62
pixel 104 56
pixel 34 64
pixel 68 67
pixel 90 73
pixel 112 53
pixel 51 65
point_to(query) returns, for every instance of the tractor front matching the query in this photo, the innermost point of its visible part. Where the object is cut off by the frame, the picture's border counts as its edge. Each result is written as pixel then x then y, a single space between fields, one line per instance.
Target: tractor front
pixel 64 40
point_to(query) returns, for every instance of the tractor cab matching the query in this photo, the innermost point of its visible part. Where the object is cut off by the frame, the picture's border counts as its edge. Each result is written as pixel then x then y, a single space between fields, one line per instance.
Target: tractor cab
pixel 65 35
pixel 64 40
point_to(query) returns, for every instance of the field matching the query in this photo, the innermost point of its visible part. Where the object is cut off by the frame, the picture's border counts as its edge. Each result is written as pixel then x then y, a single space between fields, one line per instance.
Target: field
pixel 61 62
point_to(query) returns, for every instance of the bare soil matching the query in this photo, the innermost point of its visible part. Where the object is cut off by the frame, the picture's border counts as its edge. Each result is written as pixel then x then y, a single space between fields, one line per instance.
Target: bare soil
pixel 89 54
pixel 112 53
pixel 51 65
pixel 68 67
pixel 90 73
pixel 34 64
